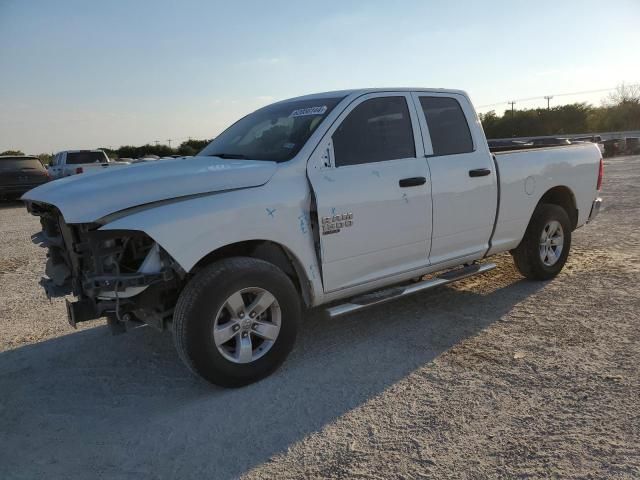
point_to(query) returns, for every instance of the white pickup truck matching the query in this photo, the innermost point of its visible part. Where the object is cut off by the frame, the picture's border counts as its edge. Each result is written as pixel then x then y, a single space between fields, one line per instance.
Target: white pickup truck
pixel 343 199
pixel 73 162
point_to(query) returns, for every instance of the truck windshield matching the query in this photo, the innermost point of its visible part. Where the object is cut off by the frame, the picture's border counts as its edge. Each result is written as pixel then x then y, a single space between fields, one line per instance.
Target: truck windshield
pixel 276 132
pixel 75 158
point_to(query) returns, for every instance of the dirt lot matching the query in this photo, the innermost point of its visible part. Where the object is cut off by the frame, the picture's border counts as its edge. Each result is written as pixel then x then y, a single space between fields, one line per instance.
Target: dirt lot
pixel 494 377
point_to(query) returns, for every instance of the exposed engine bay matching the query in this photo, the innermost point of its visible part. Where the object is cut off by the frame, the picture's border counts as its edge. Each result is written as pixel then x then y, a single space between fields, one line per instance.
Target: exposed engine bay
pixel 119 274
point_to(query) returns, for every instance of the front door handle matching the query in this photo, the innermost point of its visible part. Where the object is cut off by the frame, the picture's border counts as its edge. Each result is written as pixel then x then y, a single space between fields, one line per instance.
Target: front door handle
pixel 412 182
pixel 479 172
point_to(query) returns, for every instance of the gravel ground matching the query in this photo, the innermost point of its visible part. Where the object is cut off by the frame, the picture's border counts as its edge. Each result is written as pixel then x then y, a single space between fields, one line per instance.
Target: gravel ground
pixel 494 377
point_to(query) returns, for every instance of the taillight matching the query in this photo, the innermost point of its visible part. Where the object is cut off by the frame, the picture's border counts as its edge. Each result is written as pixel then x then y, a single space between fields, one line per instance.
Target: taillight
pixel 79 170
pixel 600 175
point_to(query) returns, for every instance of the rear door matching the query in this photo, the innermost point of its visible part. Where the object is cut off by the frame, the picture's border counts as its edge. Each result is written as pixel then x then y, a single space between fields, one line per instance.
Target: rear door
pixel 463 178
pixel 372 189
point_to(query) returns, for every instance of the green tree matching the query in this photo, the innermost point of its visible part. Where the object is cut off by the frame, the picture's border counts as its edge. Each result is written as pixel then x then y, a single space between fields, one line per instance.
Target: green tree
pixel 12 152
pixel 563 120
pixel 45 158
pixel 192 147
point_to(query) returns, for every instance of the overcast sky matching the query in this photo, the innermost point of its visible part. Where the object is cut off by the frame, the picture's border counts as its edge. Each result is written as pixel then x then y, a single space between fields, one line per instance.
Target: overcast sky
pixel 85 74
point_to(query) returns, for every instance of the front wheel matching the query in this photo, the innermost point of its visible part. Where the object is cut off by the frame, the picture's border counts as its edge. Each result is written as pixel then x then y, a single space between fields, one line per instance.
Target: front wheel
pixel 236 321
pixel 545 247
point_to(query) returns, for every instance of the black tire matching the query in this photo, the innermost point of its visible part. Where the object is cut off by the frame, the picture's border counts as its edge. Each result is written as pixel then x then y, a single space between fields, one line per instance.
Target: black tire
pixel 205 295
pixel 526 256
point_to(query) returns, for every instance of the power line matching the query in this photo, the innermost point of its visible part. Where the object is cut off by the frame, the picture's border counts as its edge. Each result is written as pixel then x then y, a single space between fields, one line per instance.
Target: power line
pixel 584 92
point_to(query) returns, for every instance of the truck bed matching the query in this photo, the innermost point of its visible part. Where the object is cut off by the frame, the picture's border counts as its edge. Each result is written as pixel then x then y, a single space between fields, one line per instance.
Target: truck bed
pixel 513 148
pixel 525 174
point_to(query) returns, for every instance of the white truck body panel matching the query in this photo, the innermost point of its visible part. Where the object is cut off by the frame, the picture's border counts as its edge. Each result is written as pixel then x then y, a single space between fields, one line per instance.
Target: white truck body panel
pixel 526 175
pixel 402 241
pixel 277 211
pixel 195 206
pixel 146 183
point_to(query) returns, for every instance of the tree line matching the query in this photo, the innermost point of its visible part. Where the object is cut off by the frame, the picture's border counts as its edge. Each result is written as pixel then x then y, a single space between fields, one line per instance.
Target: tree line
pixel 619 112
pixel 187 148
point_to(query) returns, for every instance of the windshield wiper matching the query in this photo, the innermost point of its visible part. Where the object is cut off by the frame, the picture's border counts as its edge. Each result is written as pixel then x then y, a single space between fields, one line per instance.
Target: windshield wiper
pixel 236 156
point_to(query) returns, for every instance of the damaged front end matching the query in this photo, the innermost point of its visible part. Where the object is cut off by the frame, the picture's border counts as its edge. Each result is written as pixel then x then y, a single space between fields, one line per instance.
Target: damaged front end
pixel 119 274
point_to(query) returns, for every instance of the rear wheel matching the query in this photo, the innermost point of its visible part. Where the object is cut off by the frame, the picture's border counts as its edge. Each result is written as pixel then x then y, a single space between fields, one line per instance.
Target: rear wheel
pixel 236 321
pixel 545 247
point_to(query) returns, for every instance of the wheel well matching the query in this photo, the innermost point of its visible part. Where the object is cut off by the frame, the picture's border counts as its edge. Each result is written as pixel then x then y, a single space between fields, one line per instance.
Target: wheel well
pixel 563 197
pixel 268 251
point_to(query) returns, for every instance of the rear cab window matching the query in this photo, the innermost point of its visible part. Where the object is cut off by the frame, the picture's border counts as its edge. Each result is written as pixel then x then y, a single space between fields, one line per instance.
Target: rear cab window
pixel 76 158
pixel 377 130
pixel 448 127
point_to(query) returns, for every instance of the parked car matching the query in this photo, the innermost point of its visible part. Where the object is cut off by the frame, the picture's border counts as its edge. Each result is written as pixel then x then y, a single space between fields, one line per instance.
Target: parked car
pixel 314 201
pixel 589 138
pixel 144 160
pixel 19 174
pixel 613 146
pixel 632 145
pixel 72 162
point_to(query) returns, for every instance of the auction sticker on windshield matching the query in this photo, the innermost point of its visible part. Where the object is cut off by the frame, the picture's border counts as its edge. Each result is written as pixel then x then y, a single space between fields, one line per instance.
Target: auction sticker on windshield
pixel 301 112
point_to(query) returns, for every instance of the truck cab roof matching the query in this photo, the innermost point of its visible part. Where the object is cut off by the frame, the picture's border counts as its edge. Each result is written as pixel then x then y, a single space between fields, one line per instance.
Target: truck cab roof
pixel 364 91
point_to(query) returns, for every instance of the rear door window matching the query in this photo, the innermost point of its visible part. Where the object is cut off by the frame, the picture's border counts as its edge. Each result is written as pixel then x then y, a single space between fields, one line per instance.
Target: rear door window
pixel 447 124
pixel 378 129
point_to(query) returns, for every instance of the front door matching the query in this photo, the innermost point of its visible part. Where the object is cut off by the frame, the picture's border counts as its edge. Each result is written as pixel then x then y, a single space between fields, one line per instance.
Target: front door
pixel 373 192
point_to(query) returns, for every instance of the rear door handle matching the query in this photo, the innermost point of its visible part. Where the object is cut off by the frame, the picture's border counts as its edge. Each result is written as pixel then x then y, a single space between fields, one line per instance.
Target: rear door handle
pixel 412 182
pixel 479 172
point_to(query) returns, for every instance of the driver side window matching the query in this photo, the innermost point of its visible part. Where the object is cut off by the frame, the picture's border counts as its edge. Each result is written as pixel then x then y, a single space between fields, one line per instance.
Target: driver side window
pixel 377 130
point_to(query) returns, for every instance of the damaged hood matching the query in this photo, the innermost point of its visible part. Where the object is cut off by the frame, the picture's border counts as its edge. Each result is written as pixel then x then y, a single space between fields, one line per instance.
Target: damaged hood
pixel 90 196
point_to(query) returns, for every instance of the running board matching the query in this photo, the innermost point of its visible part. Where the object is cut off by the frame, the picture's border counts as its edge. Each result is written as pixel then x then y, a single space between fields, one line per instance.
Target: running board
pixel 383 296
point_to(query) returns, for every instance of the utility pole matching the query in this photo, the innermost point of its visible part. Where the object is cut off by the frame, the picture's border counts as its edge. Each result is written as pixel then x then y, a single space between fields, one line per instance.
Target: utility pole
pixel 169 140
pixel 548 98
pixel 512 103
pixel 156 142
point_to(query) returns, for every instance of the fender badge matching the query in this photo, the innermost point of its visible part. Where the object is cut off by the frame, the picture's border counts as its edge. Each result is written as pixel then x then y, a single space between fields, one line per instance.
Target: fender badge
pixel 335 223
